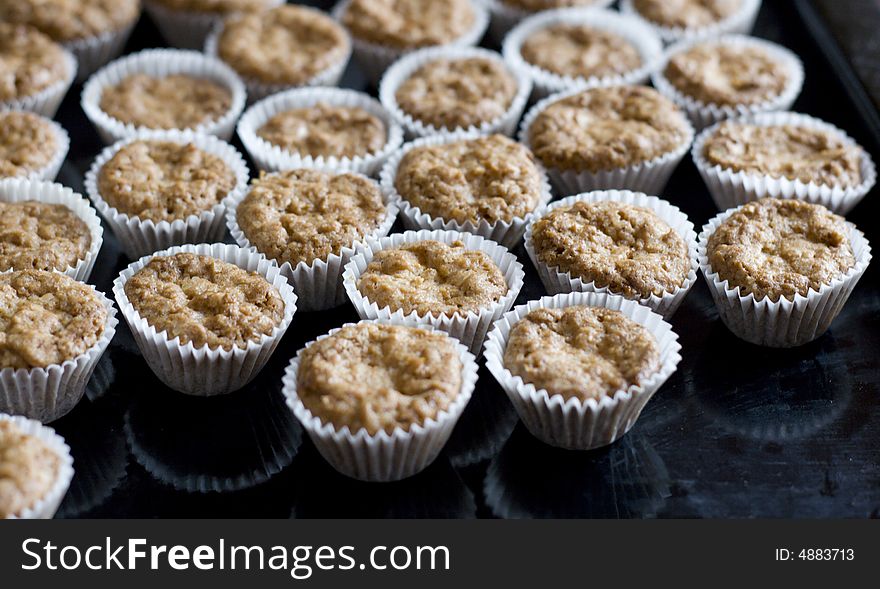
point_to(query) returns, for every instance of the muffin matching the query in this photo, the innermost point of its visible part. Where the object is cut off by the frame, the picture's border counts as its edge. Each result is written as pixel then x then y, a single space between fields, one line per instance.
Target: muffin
pixel 380 400
pixel 187 23
pixel 580 367
pixel 680 19
pixel 795 260
pixel 41 236
pixel 283 47
pixel 35 469
pixel 580 51
pixel 35 72
pixel 481 184
pixel 616 137
pixel 31 145
pixel 94 30
pixel 506 14
pixel 309 222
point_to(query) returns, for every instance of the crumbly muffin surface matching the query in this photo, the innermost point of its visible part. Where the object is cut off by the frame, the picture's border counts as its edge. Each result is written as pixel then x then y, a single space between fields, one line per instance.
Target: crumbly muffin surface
pixel 785 151
pixel 29 469
pixel 607 128
pixel 379 377
pixel 778 248
pixel 326 130
pixel 305 215
pixel 580 51
pixel 41 236
pixel 408 24
pixel 164 181
pixel 69 20
pixel 219 7
pixel 177 101
pixel 431 277
pixel 30 62
pixel 46 318
pixel 492 178
pixel 284 45
pixel 686 14
pixel 538 5
pixel 628 249
pixel 457 93
pixel 27 143
pixel 205 301
pixel 580 352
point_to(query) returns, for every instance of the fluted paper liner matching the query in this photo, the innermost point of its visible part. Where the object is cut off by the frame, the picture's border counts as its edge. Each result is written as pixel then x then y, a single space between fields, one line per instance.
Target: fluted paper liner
pixel 374 58
pixel 556 281
pixel 200 370
pixel 507 233
pixel 503 17
pixel 139 237
pixel 50 392
pixel 186 29
pixel 732 189
pixel 47 505
pixel 381 456
pixel 46 101
pixel 407 65
pixel 272 158
pixel 160 63
pixel 318 284
pixel 784 323
pixel 740 21
pixel 572 423
pixel 546 82
pixel 24 189
pixel 470 328
pixel 94 52
pixel 649 177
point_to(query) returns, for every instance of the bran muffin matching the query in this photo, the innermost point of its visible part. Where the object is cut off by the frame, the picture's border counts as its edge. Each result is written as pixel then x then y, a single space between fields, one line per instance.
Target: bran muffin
pixel 71 20
pixel 46 318
pixel 539 5
pixel 432 278
pixel 41 236
pixel 306 215
pixel 779 248
pixel 30 62
pixel 164 180
pixel 686 14
pixel 205 301
pixel 580 352
pixel 409 24
pixel 218 7
pixel 580 51
pixel 376 377
pixel 28 143
pixel 29 469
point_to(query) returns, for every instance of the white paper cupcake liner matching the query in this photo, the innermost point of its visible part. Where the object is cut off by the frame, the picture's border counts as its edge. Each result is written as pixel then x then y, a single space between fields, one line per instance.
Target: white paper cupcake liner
pixel 374 59
pixel 319 284
pixel 23 189
pixel 382 456
pixel 46 101
pixel 139 237
pixel 160 63
pixel 272 158
pixel 575 424
pixel 50 392
pixel 200 370
pixel 47 505
pixel 784 323
pixel 649 177
pixel 504 17
pixel 641 36
pixel 731 189
pixel 184 29
pixel 557 282
pixel 704 114
pixel 94 52
pixel 398 73
pixel 257 89
pixel 507 233
pixel 469 328
pixel 741 21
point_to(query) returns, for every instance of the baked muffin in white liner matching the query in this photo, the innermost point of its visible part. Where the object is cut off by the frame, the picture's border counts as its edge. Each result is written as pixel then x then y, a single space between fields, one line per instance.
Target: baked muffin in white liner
pixel 46 101
pixel 186 29
pixel 49 171
pixel 507 233
pixel 666 304
pixel 742 21
pixel 201 370
pixel 470 328
pixel 382 456
pixel 272 158
pixel 504 17
pixel 732 189
pixel 139 237
pixel 571 423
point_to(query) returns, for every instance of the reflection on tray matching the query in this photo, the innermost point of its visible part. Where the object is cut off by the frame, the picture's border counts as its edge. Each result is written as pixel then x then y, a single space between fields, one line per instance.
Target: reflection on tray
pixel 529 479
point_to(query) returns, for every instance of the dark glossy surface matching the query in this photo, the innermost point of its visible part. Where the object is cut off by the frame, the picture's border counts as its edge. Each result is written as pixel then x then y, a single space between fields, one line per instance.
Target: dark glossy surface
pixel 738 431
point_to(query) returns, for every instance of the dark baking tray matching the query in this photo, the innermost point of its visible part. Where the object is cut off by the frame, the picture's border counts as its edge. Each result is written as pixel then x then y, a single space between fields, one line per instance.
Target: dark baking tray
pixel 738 431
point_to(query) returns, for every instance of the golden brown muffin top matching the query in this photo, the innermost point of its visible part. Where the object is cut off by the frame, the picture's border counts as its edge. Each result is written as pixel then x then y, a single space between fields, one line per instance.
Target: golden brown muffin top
pixel 30 62
pixel 580 51
pixel 69 20
pixel 408 24
pixel 687 14
pixel 28 143
pixel 29 469
pixel 41 236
